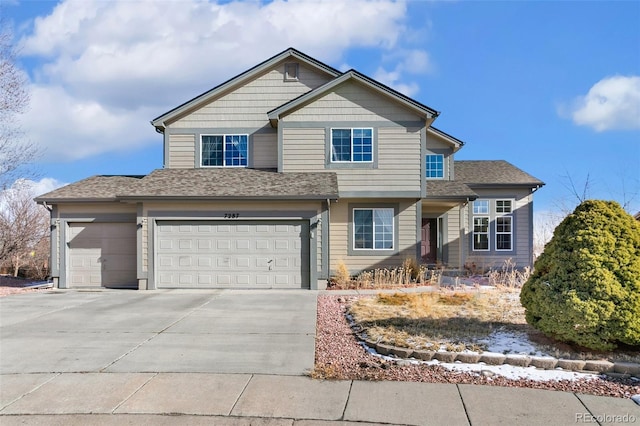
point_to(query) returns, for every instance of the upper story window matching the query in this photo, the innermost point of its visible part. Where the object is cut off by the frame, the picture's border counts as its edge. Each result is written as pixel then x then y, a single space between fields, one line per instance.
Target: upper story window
pixel 373 229
pixel 351 145
pixel 224 150
pixel 481 207
pixel 435 166
pixel 503 206
pixel 291 71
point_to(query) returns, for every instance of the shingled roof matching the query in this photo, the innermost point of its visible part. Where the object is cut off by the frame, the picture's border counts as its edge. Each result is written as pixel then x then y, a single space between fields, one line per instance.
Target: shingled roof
pixel 235 183
pixel 218 183
pixel 448 189
pixel 94 188
pixel 493 173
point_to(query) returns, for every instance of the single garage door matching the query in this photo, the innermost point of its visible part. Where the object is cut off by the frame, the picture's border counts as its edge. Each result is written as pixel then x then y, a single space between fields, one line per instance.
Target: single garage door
pixel 210 254
pixel 102 255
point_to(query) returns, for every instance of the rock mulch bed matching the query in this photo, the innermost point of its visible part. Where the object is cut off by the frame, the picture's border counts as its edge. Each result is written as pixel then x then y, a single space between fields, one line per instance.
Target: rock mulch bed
pixel 340 356
pixel 616 369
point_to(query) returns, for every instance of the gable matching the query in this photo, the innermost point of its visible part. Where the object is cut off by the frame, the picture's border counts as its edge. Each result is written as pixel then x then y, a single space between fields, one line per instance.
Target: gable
pixel 353 101
pixel 288 56
pixel 247 105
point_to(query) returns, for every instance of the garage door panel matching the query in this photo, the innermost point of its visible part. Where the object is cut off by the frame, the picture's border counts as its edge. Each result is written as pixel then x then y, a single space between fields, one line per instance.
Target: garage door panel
pixel 252 254
pixel 101 254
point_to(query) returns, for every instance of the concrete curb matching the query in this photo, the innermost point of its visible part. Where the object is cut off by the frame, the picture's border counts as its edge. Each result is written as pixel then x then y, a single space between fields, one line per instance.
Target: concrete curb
pixel 617 369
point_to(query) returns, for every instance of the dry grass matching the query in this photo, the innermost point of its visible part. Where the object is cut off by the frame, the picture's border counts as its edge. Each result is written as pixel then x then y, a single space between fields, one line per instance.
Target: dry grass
pixel 456 321
pixel 438 319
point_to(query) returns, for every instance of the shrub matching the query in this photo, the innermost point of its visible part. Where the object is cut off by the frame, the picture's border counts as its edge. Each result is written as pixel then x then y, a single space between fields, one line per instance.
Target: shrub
pixel 342 278
pixel 585 287
pixel 411 266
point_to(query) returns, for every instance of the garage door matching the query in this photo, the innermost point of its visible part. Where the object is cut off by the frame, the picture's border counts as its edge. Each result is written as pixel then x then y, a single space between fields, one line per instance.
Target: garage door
pixel 102 255
pixel 208 254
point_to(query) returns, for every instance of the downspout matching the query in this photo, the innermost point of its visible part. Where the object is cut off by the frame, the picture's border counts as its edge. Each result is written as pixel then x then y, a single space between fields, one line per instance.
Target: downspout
pixel 328 265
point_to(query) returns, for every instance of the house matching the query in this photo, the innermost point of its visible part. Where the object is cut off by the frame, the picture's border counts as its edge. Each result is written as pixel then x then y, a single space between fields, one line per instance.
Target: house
pixel 273 177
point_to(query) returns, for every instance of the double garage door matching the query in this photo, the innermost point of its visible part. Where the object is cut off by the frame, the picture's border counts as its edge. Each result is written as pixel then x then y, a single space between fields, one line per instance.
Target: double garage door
pixel 214 254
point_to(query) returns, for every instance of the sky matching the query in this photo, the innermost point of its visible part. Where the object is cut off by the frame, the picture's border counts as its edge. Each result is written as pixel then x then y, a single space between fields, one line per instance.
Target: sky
pixel 553 87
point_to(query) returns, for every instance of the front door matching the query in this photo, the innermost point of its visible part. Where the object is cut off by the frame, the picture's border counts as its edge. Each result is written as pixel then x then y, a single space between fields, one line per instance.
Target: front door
pixel 429 244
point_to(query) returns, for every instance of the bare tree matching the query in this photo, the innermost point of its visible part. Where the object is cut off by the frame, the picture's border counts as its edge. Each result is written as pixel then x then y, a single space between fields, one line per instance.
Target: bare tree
pixel 15 150
pixel 24 228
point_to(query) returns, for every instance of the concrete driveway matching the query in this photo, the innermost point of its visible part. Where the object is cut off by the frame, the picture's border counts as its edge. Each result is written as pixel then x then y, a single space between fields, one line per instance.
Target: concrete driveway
pixel 205 331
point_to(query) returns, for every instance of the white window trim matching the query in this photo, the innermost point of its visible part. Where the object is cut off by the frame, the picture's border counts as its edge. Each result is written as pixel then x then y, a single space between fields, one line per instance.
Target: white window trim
pixel 504 233
pixel 351 129
pixel 224 136
pixel 473 208
pixel 473 232
pixel 427 170
pixel 393 229
pixel 512 203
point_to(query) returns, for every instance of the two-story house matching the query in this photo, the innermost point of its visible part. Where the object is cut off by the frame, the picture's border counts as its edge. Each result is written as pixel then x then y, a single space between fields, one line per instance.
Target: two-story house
pixel 273 177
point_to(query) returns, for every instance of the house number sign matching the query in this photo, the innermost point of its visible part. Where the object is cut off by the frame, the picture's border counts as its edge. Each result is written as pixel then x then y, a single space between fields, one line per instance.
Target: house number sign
pixel 231 215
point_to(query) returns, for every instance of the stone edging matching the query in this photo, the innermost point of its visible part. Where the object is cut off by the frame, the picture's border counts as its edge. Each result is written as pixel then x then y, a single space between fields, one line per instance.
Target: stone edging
pixel 617 369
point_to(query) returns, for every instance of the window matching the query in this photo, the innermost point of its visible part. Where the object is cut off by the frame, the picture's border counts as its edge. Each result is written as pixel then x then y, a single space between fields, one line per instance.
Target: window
pixel 481 233
pixel 373 229
pixel 503 233
pixel 351 145
pixel 435 166
pixel 291 72
pixel 224 150
pixel 504 226
pixel 503 206
pixel 481 207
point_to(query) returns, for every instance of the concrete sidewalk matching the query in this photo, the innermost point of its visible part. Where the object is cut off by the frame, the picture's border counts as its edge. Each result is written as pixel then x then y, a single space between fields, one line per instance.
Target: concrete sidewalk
pixel 232 399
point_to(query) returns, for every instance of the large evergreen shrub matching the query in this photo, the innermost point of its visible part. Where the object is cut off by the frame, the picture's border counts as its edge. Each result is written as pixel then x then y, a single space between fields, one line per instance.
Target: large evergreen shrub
pixel 585 287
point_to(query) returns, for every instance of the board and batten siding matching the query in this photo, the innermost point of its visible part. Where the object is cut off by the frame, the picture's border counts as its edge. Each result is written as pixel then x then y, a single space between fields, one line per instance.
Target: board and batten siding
pixel 339 237
pixel 182 151
pixel 247 106
pixel 522 254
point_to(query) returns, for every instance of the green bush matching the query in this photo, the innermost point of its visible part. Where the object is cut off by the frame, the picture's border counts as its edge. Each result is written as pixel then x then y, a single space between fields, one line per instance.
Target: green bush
pixel 585 287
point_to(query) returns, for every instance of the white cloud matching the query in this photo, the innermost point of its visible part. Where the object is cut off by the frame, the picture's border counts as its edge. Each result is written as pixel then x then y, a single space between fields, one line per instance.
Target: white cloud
pixel 30 188
pixel 109 67
pixel 613 103
pixel 67 128
pixel 406 62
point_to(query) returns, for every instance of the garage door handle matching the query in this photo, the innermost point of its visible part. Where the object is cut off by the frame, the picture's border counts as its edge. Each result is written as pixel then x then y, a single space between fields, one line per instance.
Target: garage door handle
pixel 270 262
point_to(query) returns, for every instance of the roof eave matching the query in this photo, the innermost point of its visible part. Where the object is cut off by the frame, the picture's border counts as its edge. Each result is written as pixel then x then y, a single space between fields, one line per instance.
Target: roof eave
pixel 227 197
pixel 41 200
pixel 504 185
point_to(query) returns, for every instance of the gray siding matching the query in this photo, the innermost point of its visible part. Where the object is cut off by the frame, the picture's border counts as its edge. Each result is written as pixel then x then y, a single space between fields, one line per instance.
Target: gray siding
pixel 182 151
pixel 397 159
pixel 522 253
pixel 303 149
pixel 247 106
pixel 339 237
pixel 264 153
pixel 352 102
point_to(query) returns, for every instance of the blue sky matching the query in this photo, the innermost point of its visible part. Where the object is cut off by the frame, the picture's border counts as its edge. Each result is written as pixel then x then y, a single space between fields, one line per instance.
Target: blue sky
pixel 552 87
